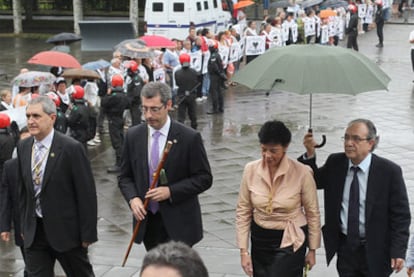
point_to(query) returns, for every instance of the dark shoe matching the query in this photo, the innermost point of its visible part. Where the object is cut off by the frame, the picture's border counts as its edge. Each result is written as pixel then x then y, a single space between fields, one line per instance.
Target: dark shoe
pixel 211 112
pixel 379 45
pixel 114 169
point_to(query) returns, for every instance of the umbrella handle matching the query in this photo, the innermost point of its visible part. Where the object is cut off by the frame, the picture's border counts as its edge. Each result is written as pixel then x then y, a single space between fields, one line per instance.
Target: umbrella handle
pixel 323 142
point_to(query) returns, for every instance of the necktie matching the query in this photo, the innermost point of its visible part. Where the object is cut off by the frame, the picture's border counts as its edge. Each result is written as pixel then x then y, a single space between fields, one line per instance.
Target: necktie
pixel 37 174
pixel 153 164
pixel 353 211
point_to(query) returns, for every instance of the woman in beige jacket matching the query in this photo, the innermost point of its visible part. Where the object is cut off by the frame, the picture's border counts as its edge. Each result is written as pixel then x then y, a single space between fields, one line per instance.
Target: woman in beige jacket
pixel 277 209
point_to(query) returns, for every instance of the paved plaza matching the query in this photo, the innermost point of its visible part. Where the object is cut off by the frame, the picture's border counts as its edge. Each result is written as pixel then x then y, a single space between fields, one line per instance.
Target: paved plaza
pixel 231 141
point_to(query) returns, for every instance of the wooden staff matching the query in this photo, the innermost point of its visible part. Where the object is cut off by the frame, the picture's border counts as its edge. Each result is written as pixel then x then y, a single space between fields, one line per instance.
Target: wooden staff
pixel 155 177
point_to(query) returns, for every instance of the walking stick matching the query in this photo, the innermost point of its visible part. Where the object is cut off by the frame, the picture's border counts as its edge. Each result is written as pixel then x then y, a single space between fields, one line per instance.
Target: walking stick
pixel 156 176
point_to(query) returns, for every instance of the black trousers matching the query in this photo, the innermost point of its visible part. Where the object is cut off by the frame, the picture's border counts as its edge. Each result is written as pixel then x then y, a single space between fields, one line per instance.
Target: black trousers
pixel 41 258
pixel 116 133
pixel 380 33
pixel 215 95
pixel 269 260
pixel 352 42
pixel 187 104
pixel 412 58
pixel 155 232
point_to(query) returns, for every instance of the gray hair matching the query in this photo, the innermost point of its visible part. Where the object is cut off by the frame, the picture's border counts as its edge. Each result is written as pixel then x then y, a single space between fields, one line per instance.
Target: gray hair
pixel 372 130
pixel 154 89
pixel 48 105
pixel 178 256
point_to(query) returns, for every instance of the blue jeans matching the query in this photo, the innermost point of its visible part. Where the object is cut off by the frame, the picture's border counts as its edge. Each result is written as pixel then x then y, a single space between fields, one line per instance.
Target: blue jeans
pixel 206 84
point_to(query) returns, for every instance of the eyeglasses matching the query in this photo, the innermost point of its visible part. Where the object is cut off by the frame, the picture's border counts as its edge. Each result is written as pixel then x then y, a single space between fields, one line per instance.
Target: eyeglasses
pixel 355 138
pixel 152 109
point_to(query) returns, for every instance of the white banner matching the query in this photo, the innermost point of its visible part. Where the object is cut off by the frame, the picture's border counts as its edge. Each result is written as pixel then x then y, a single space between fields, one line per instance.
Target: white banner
pixel 235 52
pixel 224 52
pixel 196 59
pixel 159 75
pixel 18 115
pixel 255 45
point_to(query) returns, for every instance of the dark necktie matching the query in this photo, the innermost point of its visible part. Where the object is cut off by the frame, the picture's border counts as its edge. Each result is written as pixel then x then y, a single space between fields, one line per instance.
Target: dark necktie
pixel 153 164
pixel 353 211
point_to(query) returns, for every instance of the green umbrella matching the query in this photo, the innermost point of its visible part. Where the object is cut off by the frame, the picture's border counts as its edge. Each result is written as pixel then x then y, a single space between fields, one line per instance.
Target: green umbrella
pixel 311 69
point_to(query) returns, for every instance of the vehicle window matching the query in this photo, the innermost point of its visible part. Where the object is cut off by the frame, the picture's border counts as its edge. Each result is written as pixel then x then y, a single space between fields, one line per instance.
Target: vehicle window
pixel 215 5
pixel 205 5
pixel 178 7
pixel 157 7
pixel 198 6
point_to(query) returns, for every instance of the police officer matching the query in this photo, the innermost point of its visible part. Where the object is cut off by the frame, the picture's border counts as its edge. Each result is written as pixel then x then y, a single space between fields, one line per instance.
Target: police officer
pixel 61 122
pixel 134 84
pixel 379 21
pixel 187 81
pixel 352 30
pixel 7 141
pixel 114 105
pixel 217 77
pixel 78 120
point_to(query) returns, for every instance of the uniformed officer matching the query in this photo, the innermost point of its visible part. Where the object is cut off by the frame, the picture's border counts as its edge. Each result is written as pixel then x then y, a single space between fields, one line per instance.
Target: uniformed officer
pixel 134 84
pixel 217 77
pixel 78 120
pixel 187 81
pixel 114 105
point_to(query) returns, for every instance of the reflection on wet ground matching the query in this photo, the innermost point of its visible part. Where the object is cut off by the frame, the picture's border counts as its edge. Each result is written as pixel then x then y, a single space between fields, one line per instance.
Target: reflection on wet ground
pixel 231 141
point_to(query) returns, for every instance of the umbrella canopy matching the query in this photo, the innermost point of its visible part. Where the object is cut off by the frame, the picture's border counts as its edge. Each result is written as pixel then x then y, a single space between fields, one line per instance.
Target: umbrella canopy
pixel 80 73
pixel 242 4
pixel 94 65
pixel 334 4
pixel 33 79
pixel 156 41
pixel 65 38
pixel 327 13
pixel 280 4
pixel 309 3
pixel 134 48
pixel 307 69
pixel 55 58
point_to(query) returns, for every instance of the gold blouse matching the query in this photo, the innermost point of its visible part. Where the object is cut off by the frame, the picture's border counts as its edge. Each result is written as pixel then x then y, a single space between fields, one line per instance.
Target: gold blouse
pixel 294 203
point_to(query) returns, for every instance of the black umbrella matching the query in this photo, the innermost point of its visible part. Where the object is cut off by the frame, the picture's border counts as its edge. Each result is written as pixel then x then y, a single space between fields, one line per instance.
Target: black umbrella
pixel 66 38
pixel 280 4
pixel 309 3
pixel 334 4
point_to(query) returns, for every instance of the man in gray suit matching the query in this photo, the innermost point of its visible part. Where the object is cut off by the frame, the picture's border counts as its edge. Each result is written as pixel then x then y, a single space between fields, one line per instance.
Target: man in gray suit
pixel 58 204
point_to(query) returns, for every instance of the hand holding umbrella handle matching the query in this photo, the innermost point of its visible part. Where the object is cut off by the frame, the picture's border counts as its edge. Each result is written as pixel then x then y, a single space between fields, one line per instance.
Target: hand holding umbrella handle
pixel 323 139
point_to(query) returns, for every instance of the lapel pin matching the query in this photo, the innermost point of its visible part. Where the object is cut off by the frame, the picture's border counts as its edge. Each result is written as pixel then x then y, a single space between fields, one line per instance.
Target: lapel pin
pixel 175 141
pixel 52 155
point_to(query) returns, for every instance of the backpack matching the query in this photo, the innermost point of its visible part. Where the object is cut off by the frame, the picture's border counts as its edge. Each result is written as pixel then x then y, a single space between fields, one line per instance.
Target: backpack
pixel 134 87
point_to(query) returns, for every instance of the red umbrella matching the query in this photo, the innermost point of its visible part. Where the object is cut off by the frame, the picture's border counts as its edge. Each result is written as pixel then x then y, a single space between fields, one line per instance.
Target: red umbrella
pixel 156 41
pixel 55 58
pixel 242 4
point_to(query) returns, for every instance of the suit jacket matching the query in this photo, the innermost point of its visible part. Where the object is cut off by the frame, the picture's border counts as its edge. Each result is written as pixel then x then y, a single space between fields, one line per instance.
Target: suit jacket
pixel 387 213
pixel 68 197
pixel 188 173
pixel 9 208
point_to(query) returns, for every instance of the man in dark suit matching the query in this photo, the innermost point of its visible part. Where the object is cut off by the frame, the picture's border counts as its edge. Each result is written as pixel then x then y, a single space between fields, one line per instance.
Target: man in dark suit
pixel 58 205
pixel 177 214
pixel 375 243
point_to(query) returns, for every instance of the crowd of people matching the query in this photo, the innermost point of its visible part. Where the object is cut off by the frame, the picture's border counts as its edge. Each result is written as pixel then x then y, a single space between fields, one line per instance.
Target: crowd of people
pixel 49 186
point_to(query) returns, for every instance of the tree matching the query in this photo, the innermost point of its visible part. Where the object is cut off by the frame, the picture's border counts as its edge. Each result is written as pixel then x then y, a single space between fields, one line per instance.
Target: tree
pixel 77 15
pixel 17 16
pixel 133 14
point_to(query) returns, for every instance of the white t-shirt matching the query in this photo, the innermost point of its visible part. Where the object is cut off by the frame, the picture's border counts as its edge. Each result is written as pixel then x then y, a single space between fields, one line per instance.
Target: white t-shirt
pixel 412 38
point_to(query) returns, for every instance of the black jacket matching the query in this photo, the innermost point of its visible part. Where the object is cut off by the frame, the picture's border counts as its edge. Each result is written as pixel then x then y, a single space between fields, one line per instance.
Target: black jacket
pixel 115 103
pixel 78 120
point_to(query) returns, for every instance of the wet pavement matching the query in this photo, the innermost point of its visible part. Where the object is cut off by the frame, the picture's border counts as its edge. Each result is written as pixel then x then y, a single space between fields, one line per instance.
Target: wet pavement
pixel 231 141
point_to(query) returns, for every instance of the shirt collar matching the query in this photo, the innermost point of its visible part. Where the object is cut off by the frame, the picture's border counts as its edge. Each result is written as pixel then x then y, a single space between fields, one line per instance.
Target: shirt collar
pixel 364 165
pixel 47 141
pixel 164 129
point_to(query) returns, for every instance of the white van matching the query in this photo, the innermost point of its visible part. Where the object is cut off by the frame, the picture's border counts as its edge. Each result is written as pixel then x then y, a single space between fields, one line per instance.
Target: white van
pixel 172 18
